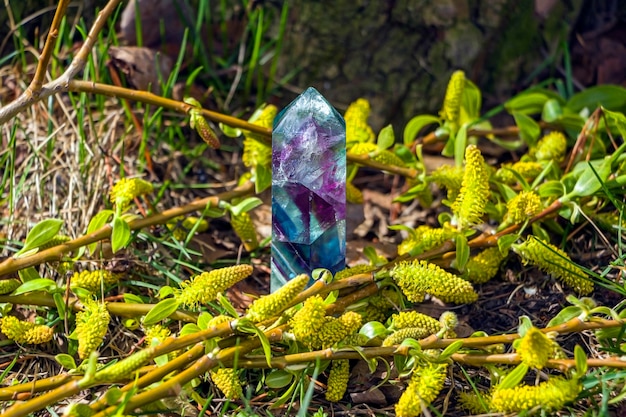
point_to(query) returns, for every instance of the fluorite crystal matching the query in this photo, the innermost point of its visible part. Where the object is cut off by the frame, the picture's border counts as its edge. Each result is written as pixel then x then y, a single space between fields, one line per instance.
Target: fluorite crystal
pixel 308 189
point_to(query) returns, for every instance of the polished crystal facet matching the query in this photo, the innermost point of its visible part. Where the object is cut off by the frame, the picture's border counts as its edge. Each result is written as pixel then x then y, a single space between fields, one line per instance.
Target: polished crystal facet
pixel 308 188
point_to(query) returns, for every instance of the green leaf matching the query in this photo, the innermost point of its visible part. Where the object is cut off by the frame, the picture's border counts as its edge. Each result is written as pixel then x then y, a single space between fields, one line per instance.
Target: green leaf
pixel 462 252
pixel 40 234
pixel 374 329
pixel 565 315
pixel 59 302
pixel 551 188
pixel 526 103
pixel 39 284
pixel 551 111
pixel 450 350
pixel 278 378
pixel 120 235
pixel 386 138
pixel 132 298
pixel 28 274
pixel 160 311
pixel 460 143
pixel 618 120
pixel 529 129
pixel 226 305
pixel 416 124
pixel 112 397
pixel 471 101
pixel 246 326
pixel 189 328
pixel 505 242
pixel 65 360
pixel 263 178
pixel 524 325
pixel 229 131
pixel 245 205
pixel 81 410
pixel 203 320
pixel 514 377
pixel 591 179
pixel 581 361
pixel 612 97
pixel 96 223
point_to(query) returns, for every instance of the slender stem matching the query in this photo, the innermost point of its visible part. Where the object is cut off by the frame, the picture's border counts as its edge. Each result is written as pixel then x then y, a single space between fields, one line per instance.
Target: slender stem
pixel 157 374
pixel 55 253
pixel 25 391
pixel 433 342
pixel 178 106
pixel 61 84
pixel 53 33
pixel 117 309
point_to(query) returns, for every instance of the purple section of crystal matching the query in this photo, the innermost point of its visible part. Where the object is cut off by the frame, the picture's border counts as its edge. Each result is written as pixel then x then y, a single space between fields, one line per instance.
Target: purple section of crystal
pixel 308 188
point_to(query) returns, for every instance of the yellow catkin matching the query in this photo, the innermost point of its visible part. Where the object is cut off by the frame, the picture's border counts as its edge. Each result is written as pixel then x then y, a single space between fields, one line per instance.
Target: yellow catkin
pixel 451 109
pixel 338 380
pixel 376 154
pixel 155 335
pixel 127 189
pixel 91 326
pixel 205 287
pixel 469 206
pixel 353 194
pixel 522 207
pixel 449 320
pixel 555 262
pixel 406 319
pixel 357 129
pixel 379 305
pixel 55 241
pixel 198 122
pixel 550 395
pixel 475 404
pixel 9 285
pixel 426 383
pixel 219 319
pixel 227 381
pixel 272 304
pixel 355 270
pixel 535 348
pixel 399 336
pixel 244 228
pixel 92 280
pixel 311 327
pixel 255 150
pixel 449 177
pixel 425 238
pixel 551 147
pixel 307 321
pixel 24 332
pixel 484 266
pixel 528 170
pixel 127 366
pixel 418 278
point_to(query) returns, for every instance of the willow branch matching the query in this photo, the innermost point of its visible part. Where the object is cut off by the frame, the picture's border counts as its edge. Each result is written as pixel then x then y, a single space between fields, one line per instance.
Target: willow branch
pixel 433 342
pixel 117 309
pixel 56 253
pixel 53 33
pixel 61 84
pixel 166 103
pixel 171 387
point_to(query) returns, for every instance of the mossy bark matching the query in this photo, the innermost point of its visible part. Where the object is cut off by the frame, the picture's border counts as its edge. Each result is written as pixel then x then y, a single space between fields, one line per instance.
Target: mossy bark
pixel 400 54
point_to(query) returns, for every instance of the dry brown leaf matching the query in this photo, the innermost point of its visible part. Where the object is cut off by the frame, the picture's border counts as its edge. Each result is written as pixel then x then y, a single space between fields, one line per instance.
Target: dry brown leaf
pixel 143 67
